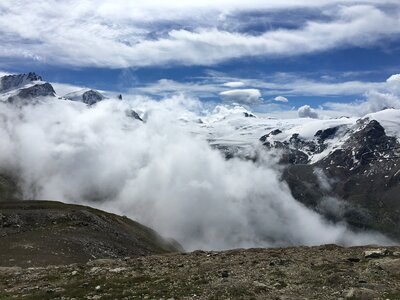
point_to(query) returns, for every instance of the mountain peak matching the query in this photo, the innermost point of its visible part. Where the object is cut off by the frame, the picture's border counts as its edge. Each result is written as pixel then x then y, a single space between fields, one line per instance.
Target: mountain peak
pixel 10 82
pixel 88 97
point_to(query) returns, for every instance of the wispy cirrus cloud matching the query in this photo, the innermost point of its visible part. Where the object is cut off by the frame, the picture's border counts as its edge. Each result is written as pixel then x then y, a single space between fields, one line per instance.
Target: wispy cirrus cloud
pixel 131 34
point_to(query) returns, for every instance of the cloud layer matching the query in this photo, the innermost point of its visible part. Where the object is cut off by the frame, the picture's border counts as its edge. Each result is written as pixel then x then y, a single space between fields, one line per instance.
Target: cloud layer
pixel 135 34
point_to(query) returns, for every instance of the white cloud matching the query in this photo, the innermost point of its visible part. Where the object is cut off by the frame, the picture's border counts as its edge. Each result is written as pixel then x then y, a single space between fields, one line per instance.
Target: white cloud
pixel 394 83
pixel 127 34
pixel 374 101
pixel 234 84
pixel 307 112
pixel 388 96
pixel 281 99
pixel 243 96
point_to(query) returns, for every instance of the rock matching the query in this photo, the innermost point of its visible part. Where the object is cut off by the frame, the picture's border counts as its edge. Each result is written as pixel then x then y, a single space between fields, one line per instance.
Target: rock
pixel 248 115
pixel 376 253
pixel 224 274
pixel 362 294
pixel 259 284
pixel 133 114
pixel 103 262
pixel 117 270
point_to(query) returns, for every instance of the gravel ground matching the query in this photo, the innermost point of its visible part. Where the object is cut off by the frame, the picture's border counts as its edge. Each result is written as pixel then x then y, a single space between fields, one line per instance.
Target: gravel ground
pixel 324 272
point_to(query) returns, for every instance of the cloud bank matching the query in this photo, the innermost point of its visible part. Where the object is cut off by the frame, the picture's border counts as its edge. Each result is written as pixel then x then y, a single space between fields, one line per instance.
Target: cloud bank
pixel 158 173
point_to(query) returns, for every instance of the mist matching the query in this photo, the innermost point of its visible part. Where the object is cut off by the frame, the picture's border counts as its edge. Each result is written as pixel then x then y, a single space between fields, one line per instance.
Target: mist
pixel 159 173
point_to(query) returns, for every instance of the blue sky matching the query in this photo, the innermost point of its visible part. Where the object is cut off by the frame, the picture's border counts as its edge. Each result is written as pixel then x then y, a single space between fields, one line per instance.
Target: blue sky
pixel 307 52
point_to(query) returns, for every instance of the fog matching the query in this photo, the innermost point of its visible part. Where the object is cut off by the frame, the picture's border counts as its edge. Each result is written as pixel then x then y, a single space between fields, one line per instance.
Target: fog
pixel 158 173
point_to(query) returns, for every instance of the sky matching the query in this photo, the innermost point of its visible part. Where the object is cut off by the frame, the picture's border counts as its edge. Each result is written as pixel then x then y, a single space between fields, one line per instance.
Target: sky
pixel 276 54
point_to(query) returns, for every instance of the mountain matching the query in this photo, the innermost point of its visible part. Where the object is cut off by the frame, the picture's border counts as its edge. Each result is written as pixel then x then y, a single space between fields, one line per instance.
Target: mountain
pixel 24 88
pixel 88 97
pixel 38 233
pixel 346 171
pixel 11 82
pixel 29 88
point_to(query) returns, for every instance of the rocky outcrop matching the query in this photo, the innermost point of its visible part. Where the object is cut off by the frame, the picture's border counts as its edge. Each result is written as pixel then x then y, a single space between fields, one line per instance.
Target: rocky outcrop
pixel 11 82
pixel 133 114
pixel 88 97
pixel 91 97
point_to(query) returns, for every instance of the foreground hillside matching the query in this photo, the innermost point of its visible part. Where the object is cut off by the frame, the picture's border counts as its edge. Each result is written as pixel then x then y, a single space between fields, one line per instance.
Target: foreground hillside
pixel 325 272
pixel 37 233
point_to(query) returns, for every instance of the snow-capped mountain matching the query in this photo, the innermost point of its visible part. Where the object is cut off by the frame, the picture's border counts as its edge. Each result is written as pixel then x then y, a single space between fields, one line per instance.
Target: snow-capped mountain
pixel 24 88
pixel 87 96
pixel 11 82
pixel 347 169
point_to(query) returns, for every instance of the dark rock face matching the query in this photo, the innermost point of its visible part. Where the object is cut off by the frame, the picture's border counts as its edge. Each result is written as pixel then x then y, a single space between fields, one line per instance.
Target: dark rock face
pixel 273 132
pixel 133 114
pixel 361 173
pixel 91 97
pixel 327 133
pixel 46 232
pixel 10 82
pixel 38 90
pixel 294 151
pixel 248 115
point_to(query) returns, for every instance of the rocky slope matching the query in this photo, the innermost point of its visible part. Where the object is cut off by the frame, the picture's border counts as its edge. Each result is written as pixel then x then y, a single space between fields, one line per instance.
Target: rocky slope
pixel 325 272
pixel 356 180
pixel 37 233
